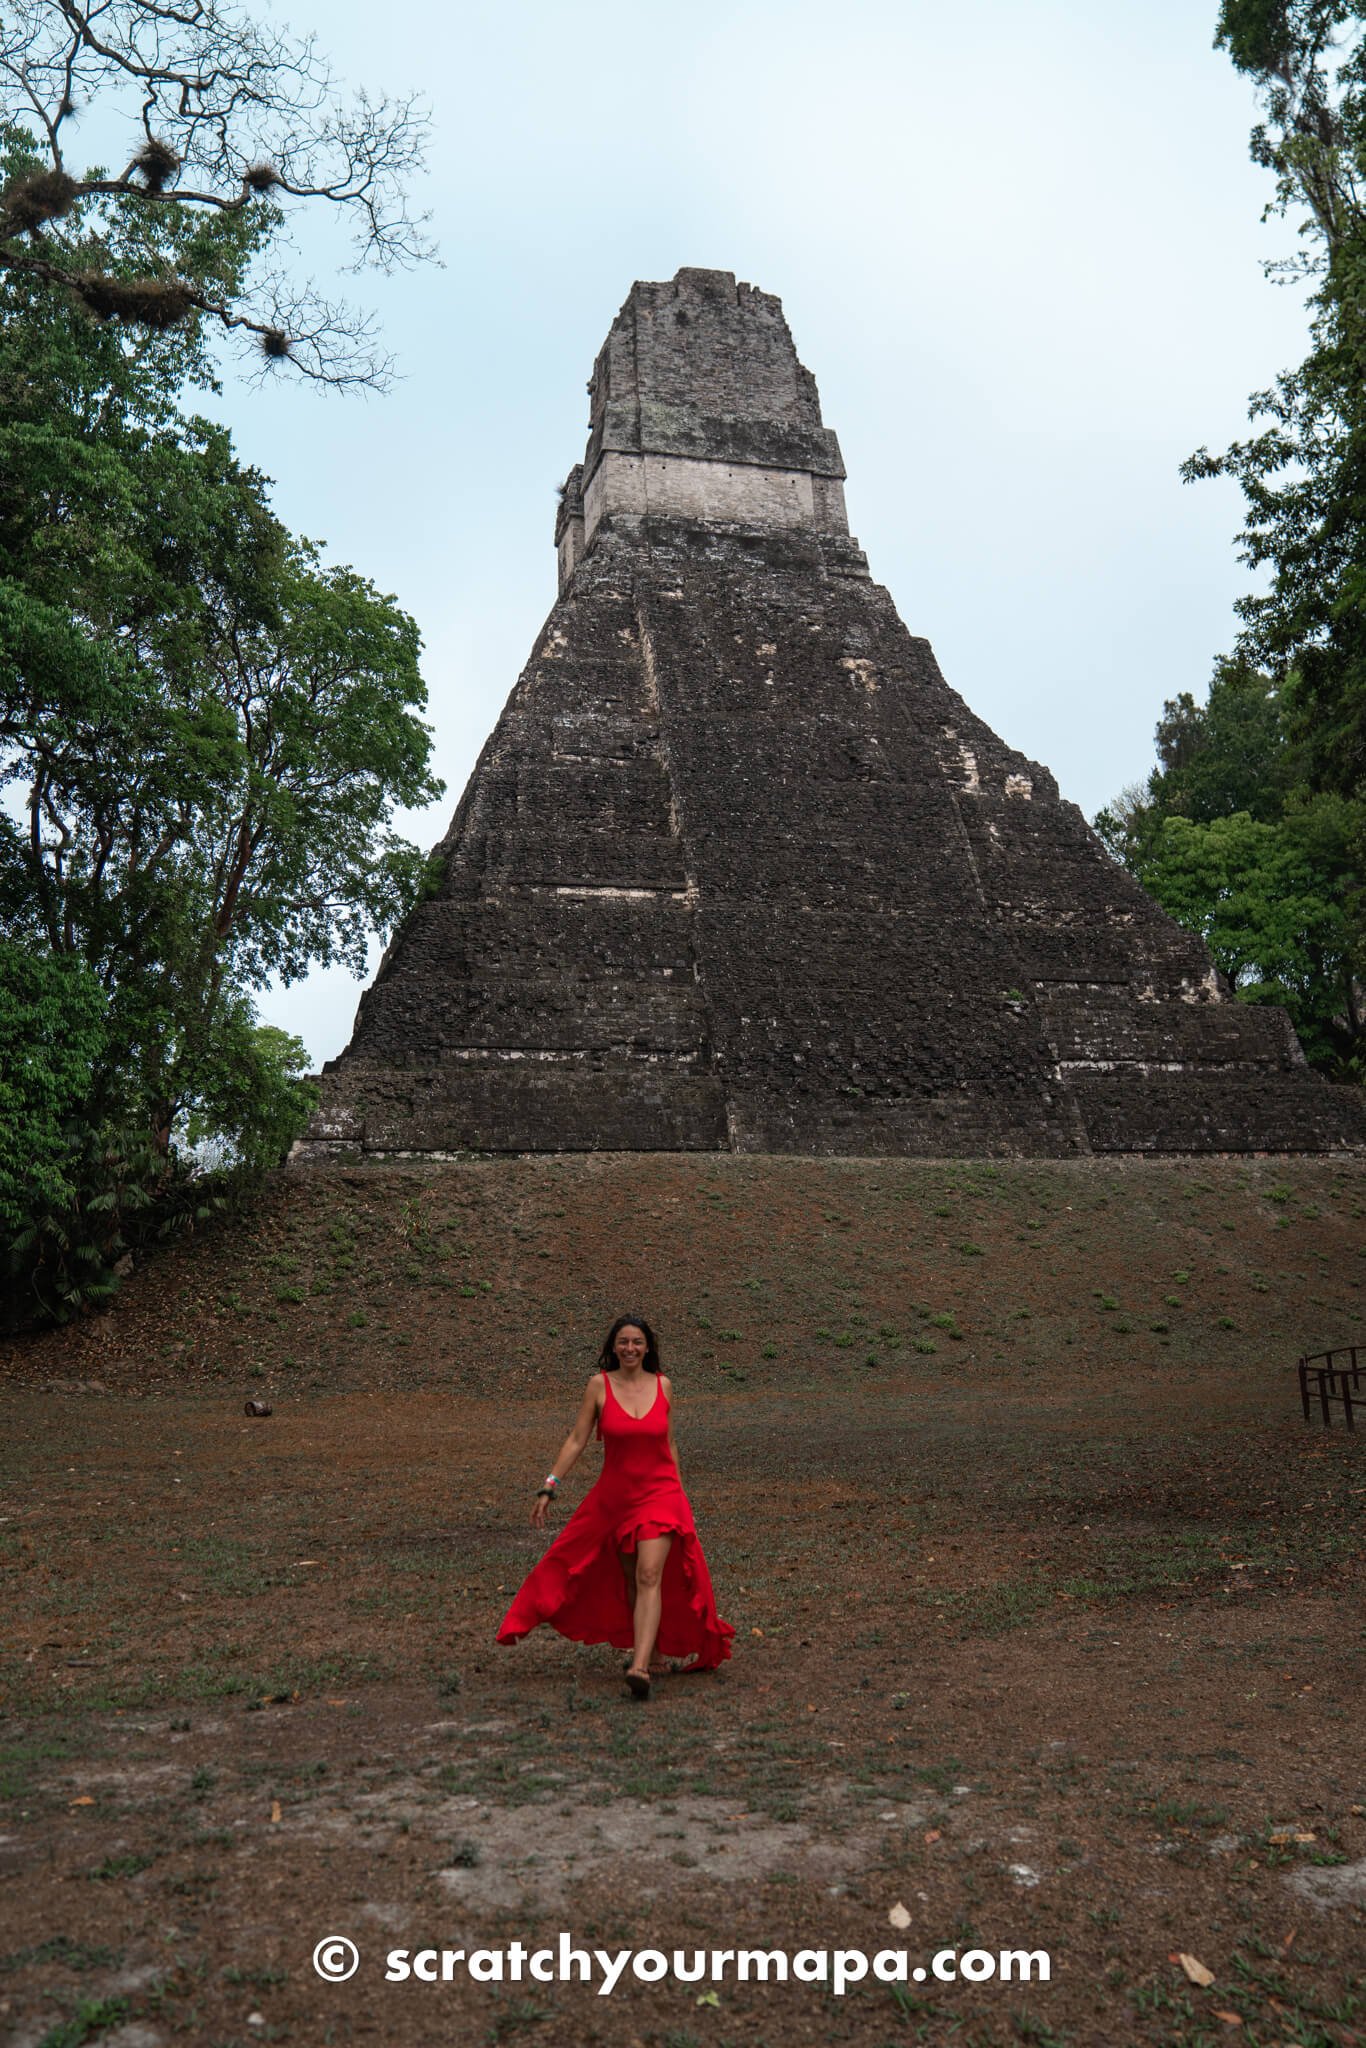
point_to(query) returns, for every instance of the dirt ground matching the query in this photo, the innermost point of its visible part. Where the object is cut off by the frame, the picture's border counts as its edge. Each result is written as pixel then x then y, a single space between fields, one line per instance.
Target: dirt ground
pixel 1048 1602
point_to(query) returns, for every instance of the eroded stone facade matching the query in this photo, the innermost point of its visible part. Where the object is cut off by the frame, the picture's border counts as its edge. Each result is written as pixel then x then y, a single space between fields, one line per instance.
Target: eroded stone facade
pixel 738 870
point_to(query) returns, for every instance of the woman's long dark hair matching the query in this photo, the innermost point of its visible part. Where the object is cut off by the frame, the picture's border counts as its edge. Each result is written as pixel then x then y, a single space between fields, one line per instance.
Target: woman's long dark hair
pixel 607 1357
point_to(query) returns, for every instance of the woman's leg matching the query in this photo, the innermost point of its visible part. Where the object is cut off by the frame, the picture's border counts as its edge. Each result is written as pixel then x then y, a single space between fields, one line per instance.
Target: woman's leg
pixel 627 1560
pixel 650 1557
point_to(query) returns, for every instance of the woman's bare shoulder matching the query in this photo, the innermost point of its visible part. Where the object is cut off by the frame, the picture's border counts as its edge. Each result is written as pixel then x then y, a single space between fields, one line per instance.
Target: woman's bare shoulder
pixel 667 1385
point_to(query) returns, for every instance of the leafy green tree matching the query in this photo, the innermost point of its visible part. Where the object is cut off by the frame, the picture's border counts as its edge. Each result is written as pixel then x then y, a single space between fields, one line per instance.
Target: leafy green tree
pixel 80 1196
pixel 1252 827
pixel 1232 753
pixel 1261 896
pixel 52 1034
pixel 262 1094
pixel 1303 476
pixel 204 727
pixel 204 731
pixel 1229 838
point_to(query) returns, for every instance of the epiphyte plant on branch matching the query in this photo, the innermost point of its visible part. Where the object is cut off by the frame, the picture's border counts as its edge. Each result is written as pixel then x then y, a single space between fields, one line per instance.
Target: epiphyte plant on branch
pixel 221 116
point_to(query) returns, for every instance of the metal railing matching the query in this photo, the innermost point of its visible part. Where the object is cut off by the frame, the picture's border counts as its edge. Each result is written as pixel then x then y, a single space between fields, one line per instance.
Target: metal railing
pixel 1337 1376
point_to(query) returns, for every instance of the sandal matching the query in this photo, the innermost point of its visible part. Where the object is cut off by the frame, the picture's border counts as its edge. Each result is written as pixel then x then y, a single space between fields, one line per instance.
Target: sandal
pixel 639 1684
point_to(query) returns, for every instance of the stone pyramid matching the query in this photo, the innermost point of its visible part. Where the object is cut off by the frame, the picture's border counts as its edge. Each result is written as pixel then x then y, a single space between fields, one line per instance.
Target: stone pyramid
pixel 738 871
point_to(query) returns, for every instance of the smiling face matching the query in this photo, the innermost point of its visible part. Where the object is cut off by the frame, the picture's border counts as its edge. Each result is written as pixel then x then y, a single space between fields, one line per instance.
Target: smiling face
pixel 629 1346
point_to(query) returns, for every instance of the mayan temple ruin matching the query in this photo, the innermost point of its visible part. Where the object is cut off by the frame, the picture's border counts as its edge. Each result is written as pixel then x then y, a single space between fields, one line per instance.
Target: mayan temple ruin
pixel 738 871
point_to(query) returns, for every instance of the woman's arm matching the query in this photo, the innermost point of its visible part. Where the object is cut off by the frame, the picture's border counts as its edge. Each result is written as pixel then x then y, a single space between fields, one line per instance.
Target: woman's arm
pixel 668 1387
pixel 573 1446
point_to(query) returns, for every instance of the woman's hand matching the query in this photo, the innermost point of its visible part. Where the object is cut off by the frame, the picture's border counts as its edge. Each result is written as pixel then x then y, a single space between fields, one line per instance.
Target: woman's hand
pixel 572 1448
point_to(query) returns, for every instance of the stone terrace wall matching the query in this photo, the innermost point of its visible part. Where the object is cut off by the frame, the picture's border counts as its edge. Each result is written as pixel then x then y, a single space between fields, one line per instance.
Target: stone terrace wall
pixel 738 870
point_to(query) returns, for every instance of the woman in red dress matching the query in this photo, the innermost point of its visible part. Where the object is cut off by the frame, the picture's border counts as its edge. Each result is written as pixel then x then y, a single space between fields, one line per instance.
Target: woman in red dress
pixel 627 1567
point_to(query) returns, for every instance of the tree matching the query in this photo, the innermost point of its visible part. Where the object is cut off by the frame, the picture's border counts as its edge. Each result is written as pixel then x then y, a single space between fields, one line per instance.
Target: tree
pixel 229 120
pixel 1230 838
pixel 1232 753
pixel 262 1093
pixel 1304 476
pixel 1252 828
pixel 1262 898
pixel 203 734
pixel 51 1035
pixel 204 731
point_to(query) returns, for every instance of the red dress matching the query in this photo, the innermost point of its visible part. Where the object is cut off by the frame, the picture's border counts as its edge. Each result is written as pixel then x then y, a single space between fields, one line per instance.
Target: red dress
pixel 579 1587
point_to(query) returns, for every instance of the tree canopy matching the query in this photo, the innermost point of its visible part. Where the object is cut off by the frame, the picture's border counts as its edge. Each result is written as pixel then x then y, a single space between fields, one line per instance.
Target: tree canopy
pixel 1228 836
pixel 1252 828
pixel 1303 476
pixel 205 727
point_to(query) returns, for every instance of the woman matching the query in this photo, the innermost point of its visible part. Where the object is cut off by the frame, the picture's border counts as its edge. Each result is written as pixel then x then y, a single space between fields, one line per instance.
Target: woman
pixel 627 1568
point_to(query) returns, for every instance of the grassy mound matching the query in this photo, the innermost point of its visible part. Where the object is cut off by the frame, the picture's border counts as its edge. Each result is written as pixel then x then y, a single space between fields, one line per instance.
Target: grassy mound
pixel 756 1272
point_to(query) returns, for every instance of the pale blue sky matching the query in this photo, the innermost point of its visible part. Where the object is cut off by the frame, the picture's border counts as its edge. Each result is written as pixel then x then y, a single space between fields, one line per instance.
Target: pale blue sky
pixel 1019 248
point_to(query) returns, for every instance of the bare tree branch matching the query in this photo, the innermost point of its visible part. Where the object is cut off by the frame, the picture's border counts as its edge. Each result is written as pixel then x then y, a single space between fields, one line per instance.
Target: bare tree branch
pixel 227 113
